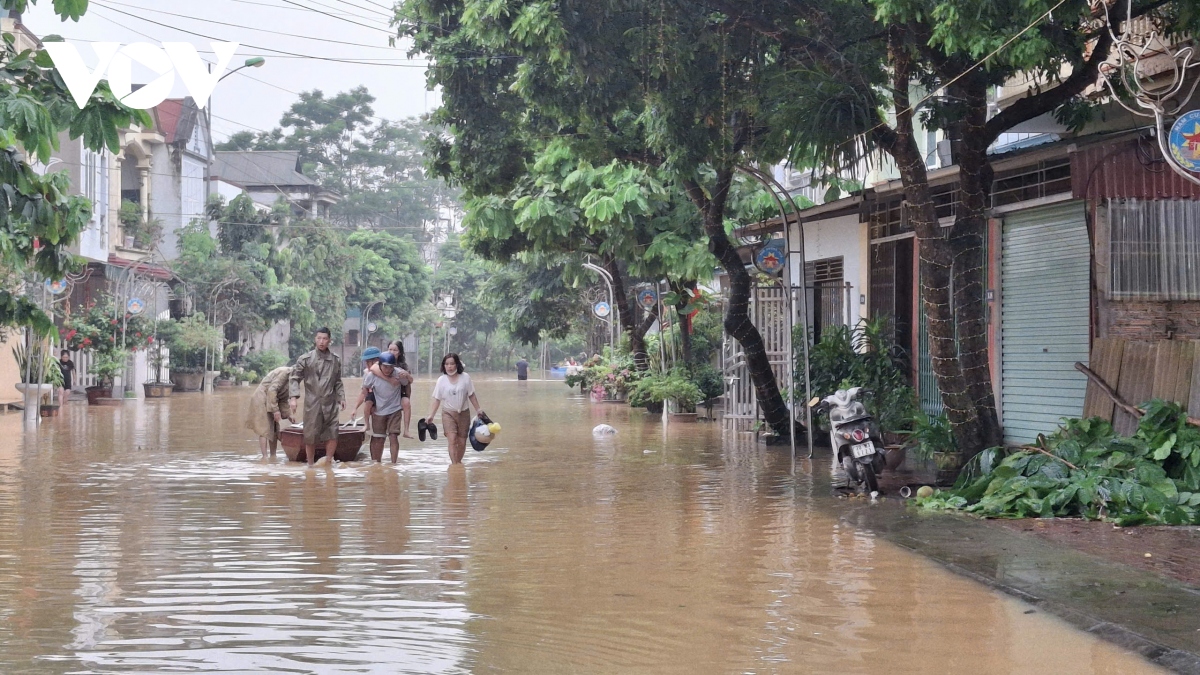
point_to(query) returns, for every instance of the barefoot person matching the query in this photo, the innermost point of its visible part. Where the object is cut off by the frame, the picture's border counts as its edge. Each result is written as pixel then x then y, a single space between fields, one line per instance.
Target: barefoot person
pixel 67 366
pixel 366 397
pixel 388 412
pixel 452 393
pixel 268 409
pixel 319 375
pixel 400 374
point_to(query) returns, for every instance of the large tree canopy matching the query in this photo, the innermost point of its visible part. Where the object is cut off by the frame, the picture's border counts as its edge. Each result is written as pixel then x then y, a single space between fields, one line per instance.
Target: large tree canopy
pixel 662 84
pixel 698 89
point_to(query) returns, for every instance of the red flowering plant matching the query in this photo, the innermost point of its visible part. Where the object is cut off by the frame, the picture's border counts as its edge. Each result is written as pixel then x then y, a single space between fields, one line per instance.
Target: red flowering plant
pixel 99 329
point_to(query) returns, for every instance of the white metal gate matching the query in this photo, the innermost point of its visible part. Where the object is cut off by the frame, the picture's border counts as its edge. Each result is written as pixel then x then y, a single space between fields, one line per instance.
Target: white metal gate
pixel 768 312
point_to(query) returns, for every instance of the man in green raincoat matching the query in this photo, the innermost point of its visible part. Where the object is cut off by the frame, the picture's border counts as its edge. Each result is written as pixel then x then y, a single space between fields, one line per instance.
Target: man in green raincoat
pixel 319 372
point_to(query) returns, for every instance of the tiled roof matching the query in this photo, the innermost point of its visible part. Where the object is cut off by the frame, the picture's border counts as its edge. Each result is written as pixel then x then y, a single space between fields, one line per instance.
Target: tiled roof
pixel 250 168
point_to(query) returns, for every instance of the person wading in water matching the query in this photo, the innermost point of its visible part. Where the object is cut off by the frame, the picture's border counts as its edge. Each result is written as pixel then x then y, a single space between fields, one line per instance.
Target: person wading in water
pixel 268 409
pixel 452 393
pixel 319 374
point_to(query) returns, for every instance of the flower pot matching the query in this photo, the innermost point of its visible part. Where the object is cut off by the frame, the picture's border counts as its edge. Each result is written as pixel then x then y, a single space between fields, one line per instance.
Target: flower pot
pixel 654 407
pixel 158 389
pixel 98 392
pixel 34 389
pixel 681 418
pixel 188 381
pixel 224 383
pixel 49 410
pixel 894 456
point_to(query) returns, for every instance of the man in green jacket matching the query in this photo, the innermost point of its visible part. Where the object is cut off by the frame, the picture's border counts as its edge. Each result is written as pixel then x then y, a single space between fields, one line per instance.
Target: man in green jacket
pixel 319 372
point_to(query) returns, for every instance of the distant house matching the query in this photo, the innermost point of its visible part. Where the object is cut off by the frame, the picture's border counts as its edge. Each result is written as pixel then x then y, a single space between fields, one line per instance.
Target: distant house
pixel 267 175
pixel 164 170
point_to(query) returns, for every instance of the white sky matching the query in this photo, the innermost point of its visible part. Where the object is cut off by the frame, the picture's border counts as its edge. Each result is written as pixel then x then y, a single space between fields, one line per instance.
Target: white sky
pixel 247 99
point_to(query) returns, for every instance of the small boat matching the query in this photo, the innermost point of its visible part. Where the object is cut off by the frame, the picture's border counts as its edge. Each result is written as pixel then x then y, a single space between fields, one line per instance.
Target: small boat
pixel 350 440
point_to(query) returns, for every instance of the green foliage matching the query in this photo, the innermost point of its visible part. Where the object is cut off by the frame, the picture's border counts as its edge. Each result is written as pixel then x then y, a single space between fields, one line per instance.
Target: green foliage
pixel 865 357
pixel 101 328
pixel 146 233
pixel 263 361
pixel 609 376
pixel 388 268
pixel 107 365
pixel 42 365
pixel 375 165
pixel 676 385
pixel 189 338
pixel 1089 472
pixel 39 218
pixel 931 436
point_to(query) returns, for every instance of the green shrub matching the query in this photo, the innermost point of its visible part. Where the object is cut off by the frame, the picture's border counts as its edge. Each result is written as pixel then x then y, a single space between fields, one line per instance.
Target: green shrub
pixel 263 361
pixel 866 357
pixel 674 386
pixel 1086 470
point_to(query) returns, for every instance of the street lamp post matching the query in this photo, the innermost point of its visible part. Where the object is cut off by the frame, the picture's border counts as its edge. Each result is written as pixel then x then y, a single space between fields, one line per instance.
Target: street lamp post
pixel 252 62
pixel 612 319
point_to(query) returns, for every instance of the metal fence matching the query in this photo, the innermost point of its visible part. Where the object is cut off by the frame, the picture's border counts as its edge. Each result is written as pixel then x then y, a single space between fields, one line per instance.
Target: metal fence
pixel 768 311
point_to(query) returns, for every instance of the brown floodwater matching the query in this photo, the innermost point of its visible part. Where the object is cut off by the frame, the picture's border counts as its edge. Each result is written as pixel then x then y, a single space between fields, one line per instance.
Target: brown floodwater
pixel 151 538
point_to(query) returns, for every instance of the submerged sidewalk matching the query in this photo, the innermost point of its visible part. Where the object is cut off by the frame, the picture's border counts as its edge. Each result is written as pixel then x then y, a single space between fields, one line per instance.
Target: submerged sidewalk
pixel 1155 616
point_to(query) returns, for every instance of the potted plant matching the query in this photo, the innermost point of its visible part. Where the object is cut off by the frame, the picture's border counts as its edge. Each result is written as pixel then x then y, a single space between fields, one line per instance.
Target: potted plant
pixel 105 366
pixel 140 234
pixel 155 387
pixel 32 367
pixel 190 339
pixel 109 336
pixel 674 389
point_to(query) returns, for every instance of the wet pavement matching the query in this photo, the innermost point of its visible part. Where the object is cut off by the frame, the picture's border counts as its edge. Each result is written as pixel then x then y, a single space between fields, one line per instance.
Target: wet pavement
pixel 151 538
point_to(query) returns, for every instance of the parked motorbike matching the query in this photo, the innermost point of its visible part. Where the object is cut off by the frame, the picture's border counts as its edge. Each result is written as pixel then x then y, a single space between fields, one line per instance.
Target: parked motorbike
pixel 854 437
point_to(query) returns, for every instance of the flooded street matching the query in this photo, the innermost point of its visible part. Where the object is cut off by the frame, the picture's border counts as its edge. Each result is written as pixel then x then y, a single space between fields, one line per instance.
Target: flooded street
pixel 152 538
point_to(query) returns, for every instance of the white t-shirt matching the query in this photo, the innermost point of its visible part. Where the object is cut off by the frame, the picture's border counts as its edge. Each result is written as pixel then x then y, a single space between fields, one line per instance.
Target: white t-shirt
pixel 455 396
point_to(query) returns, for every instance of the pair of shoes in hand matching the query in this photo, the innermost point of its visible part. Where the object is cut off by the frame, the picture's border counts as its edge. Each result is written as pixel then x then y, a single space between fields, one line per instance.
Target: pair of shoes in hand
pixel 423 427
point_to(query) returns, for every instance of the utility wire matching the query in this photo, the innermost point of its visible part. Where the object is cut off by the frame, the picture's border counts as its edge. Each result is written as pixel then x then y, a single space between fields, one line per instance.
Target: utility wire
pixel 339 18
pixel 363 62
pixel 389 13
pixel 260 30
pixel 299 9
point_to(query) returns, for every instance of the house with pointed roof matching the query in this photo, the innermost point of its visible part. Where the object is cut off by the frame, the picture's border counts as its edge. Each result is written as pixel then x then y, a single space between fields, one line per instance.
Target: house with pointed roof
pixel 267 175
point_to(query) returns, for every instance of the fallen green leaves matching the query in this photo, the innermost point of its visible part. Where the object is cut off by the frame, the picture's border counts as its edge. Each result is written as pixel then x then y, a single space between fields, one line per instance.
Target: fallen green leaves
pixel 1086 470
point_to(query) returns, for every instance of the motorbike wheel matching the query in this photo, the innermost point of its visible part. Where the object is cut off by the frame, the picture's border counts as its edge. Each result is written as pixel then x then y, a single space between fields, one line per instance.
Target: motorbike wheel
pixel 868 474
pixel 852 469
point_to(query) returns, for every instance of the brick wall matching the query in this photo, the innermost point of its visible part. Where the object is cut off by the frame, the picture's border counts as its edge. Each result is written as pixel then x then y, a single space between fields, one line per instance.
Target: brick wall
pixel 1150 320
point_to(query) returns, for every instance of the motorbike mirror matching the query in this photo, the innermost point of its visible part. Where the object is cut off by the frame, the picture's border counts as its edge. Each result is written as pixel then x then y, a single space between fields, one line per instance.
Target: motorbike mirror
pixel 815 400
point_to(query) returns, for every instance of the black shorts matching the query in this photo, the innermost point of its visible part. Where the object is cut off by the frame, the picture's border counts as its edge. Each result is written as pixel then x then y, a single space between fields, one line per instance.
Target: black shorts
pixel 371 397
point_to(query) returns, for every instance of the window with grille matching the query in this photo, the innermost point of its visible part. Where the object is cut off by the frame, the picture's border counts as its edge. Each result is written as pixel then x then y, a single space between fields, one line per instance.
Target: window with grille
pixel 1154 249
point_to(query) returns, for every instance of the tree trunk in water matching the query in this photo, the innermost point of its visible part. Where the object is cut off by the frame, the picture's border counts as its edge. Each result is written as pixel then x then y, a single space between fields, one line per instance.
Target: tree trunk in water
pixel 737 318
pixel 685 338
pixel 629 318
pixel 936 265
pixel 966 240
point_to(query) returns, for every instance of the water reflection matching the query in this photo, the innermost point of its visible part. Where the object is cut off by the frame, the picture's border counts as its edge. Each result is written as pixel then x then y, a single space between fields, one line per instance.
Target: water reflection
pixel 151 538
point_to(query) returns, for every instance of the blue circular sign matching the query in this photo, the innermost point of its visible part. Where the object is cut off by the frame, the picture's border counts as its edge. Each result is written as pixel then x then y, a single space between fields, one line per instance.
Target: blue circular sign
pixel 770 258
pixel 1184 141
pixel 647 298
pixel 602 309
pixel 56 286
pixel 135 306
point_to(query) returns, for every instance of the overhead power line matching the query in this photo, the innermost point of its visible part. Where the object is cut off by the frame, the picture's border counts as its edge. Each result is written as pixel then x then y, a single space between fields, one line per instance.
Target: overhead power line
pixel 299 9
pixel 364 62
pixel 260 30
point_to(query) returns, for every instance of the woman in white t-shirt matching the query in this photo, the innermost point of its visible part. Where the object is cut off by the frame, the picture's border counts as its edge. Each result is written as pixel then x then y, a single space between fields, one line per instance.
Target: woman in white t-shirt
pixel 455 393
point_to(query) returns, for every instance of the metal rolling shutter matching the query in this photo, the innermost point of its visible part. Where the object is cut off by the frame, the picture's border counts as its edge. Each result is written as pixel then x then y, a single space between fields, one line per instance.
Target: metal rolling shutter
pixel 1044 321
